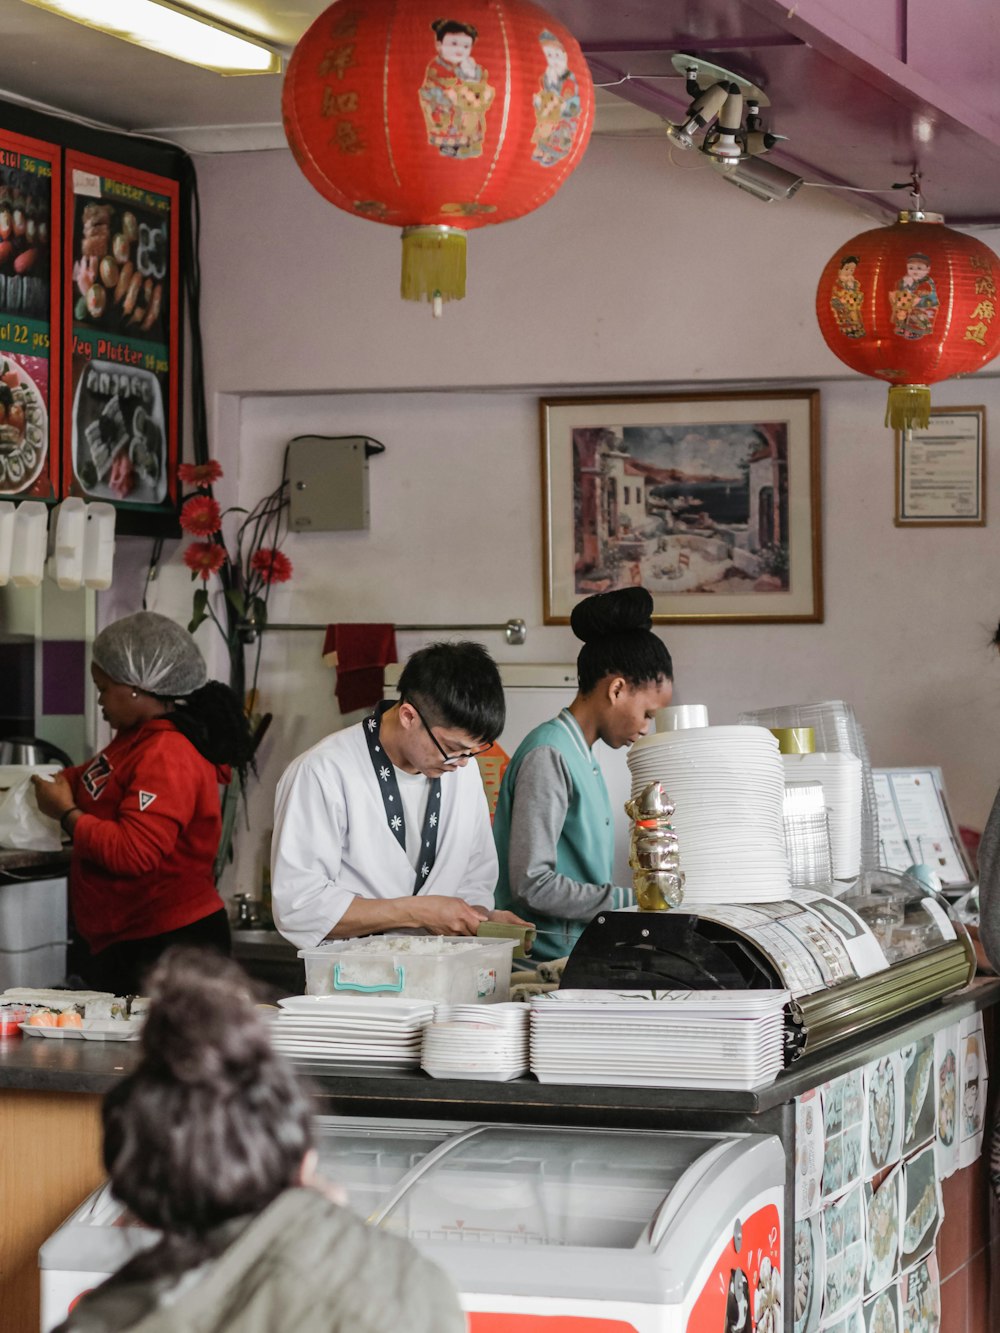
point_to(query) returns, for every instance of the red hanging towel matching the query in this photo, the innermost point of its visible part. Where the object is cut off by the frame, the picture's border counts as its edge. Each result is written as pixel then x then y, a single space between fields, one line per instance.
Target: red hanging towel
pixel 360 653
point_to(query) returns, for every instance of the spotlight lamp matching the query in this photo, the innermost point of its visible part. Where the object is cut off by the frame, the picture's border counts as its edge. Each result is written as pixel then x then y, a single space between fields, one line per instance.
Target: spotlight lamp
pixel 705 106
pixel 724 142
pixel 756 139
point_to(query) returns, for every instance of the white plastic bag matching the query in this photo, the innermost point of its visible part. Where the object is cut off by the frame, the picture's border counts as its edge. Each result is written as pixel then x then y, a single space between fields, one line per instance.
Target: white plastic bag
pixel 22 824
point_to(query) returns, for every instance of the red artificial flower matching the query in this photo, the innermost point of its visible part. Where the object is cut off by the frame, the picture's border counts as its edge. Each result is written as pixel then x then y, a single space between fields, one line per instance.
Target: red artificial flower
pixel 201 515
pixel 200 474
pixel 205 558
pixel 272 565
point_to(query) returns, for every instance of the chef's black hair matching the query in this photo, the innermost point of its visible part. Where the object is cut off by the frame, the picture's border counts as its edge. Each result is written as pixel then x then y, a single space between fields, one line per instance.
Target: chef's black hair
pixel 212 1124
pixel 216 724
pixel 618 640
pixel 456 685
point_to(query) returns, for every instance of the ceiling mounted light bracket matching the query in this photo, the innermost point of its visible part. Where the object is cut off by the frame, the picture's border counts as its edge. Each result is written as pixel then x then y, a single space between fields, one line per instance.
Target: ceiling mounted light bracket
pixel 725 110
pixel 705 73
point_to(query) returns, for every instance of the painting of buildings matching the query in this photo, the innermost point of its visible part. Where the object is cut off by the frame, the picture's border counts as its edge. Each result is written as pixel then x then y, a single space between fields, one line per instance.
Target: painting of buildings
pixel 687 508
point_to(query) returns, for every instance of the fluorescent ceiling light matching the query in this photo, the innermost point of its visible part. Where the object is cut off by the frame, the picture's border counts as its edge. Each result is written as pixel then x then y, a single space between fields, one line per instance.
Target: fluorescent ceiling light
pixel 170 30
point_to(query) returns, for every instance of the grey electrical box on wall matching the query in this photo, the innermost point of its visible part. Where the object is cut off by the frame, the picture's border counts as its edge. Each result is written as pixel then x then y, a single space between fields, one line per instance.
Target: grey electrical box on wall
pixel 328 482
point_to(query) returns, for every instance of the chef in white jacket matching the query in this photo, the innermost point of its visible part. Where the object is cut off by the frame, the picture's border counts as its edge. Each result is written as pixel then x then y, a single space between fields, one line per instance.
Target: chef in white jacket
pixel 385 825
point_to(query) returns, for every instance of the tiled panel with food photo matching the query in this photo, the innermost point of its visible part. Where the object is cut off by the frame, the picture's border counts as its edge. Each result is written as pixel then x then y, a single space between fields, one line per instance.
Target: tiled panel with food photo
pixel 121 280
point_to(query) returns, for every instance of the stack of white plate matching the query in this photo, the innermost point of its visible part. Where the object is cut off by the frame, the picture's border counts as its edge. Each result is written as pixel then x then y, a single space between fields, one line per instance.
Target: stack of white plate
pixel 474 1041
pixel 841 778
pixel 728 785
pixel 677 1039
pixel 337 1030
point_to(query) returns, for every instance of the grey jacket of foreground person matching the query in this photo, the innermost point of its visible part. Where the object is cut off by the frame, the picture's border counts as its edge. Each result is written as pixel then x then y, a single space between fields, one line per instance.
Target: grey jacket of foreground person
pixel 304 1265
pixel 989 886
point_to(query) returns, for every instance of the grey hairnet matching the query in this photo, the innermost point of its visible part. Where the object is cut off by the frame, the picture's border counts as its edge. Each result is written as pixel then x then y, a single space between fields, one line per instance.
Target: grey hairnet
pixel 152 653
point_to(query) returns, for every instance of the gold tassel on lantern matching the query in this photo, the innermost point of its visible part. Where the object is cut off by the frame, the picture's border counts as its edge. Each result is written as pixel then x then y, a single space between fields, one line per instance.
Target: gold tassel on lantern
pixel 909 407
pixel 433 265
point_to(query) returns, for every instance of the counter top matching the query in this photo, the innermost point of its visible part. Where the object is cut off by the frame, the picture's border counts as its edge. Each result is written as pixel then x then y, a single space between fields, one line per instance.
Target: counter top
pixel 18 864
pixel 93 1066
pixel 262 943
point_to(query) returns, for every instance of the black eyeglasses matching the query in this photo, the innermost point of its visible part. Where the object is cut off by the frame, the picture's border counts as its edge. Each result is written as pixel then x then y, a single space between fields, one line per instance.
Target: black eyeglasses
pixel 448 758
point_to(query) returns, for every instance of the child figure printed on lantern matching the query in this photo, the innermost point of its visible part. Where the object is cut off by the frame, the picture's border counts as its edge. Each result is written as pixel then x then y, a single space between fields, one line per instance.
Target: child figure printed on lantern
pixel 557 104
pixel 914 300
pixel 846 298
pixel 455 94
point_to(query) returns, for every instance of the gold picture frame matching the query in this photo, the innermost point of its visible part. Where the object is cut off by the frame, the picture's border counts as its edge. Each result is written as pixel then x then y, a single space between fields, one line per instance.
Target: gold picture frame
pixel 710 500
pixel 941 471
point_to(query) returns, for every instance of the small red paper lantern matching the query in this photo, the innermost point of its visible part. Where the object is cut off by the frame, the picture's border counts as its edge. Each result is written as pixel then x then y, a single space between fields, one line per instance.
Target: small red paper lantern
pixel 912 303
pixel 437 125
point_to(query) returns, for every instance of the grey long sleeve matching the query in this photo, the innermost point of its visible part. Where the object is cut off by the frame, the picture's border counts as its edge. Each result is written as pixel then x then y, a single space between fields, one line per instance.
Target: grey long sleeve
pixel 541 800
pixel 989 886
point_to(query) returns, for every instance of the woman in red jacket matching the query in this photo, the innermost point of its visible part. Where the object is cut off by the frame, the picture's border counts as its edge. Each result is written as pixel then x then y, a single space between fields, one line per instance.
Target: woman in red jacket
pixel 144 815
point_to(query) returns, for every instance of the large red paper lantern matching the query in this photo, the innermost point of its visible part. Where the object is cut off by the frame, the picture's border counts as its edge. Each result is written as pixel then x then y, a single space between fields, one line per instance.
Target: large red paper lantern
pixel 912 303
pixel 437 124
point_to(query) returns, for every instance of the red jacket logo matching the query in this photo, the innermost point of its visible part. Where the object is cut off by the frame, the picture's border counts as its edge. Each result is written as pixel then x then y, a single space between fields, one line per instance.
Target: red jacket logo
pixel 96 775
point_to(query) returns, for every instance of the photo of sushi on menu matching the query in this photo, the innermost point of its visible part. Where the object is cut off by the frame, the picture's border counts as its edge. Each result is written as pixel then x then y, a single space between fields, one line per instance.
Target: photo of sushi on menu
pixel 27 237
pixel 122 389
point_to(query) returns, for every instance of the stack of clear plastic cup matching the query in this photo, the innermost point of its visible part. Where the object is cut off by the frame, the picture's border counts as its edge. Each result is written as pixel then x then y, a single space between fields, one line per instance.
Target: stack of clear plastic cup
pixel 837 730
pixel 807 835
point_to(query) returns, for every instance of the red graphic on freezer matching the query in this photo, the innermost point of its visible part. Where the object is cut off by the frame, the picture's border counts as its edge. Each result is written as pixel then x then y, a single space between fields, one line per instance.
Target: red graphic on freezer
pixel 743 1292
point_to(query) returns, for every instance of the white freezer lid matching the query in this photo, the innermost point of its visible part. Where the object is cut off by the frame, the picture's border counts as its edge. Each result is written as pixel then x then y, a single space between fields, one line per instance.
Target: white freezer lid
pixel 538 1186
pixel 581 1213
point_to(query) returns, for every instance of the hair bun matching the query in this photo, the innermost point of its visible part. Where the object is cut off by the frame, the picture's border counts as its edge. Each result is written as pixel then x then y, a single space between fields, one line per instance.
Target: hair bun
pixel 202 1027
pixel 618 612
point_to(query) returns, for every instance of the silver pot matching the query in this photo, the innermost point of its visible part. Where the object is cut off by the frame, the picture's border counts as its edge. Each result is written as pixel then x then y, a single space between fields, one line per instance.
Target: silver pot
pixel 31 750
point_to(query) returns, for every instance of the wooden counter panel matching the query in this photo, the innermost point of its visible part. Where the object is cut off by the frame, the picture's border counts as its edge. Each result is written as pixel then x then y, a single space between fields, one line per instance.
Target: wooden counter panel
pixel 50 1162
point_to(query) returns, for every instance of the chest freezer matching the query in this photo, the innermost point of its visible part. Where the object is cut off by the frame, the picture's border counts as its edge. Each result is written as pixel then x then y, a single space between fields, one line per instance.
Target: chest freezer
pixel 597 1231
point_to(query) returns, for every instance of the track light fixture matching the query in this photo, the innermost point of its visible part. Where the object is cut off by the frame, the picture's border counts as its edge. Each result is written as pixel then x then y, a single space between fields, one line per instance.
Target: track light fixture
pixel 719 100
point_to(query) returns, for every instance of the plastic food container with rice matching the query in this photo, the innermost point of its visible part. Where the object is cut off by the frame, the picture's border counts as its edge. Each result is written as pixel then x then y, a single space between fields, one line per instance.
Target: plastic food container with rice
pixel 458 969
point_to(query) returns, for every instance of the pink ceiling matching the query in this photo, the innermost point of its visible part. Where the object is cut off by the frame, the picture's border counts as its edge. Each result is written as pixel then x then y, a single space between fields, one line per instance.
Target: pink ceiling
pixel 865 90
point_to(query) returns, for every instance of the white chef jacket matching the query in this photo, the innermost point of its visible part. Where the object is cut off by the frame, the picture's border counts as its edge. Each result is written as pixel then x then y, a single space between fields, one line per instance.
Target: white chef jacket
pixel 332 843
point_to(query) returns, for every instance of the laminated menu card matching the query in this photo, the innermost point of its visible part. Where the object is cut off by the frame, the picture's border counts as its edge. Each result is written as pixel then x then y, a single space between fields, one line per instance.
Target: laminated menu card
pixel 122 379
pixel 29 350
pixel 946 1064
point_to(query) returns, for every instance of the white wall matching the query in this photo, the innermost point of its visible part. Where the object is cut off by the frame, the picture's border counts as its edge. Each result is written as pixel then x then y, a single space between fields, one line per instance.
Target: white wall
pixel 639 274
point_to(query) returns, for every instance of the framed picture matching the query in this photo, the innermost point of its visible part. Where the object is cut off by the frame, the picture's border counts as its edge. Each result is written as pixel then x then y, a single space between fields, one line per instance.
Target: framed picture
pixel 122 324
pixel 710 501
pixel 29 323
pixel 941 471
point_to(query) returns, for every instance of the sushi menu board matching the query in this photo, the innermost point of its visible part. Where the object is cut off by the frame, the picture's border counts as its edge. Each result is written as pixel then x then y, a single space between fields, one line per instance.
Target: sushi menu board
pixel 122 375
pixel 29 354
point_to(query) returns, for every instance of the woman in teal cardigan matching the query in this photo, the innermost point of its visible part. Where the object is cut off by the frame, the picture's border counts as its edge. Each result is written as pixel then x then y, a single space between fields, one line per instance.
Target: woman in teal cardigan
pixel 553 824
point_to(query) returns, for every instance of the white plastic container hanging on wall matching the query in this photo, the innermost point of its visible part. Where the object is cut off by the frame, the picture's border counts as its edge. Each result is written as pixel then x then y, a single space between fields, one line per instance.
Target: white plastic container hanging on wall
pixel 68 525
pixel 99 546
pixel 6 540
pixel 27 561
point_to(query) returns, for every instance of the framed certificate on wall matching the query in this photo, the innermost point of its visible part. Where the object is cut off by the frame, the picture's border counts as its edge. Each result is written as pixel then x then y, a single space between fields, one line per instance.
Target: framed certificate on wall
pixel 122 331
pixel 941 471
pixel 29 326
